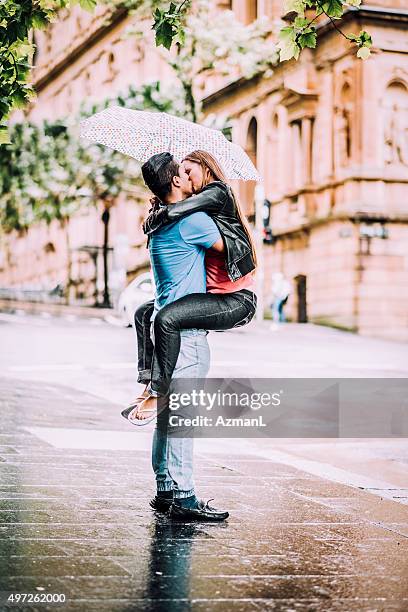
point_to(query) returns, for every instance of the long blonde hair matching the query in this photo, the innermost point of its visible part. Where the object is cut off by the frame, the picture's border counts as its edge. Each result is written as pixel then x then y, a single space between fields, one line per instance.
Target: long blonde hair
pixel 213 171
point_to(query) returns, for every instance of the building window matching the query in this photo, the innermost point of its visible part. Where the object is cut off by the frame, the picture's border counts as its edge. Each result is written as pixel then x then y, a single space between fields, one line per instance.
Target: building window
pixel 274 160
pixel 251 149
pixel 251 11
pixel 296 162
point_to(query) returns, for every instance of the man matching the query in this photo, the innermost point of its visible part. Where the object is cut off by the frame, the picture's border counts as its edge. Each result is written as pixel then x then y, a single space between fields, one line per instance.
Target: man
pixel 177 255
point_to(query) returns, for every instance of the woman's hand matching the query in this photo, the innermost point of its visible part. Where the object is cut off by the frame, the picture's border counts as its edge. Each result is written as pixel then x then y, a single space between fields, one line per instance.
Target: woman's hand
pixel 154 204
pixel 154 219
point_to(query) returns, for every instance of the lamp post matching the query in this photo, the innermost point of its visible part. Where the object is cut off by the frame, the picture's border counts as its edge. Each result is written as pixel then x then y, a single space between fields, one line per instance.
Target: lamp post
pixel 259 225
pixel 106 303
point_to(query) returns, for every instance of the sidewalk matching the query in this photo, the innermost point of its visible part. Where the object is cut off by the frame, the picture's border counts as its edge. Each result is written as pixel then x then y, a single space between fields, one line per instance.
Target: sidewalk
pixel 76 521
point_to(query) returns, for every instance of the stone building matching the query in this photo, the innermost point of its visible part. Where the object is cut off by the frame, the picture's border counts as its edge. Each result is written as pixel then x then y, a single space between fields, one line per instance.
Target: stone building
pixel 329 134
pixel 330 137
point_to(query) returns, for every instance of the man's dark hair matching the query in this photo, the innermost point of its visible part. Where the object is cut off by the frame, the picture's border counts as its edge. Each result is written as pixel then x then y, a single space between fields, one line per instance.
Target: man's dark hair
pixel 158 173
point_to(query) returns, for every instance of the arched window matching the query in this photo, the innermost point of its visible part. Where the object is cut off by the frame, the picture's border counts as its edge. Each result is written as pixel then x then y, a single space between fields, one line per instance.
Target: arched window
pixel 251 149
pixel 252 139
pixel 273 158
pixel 251 10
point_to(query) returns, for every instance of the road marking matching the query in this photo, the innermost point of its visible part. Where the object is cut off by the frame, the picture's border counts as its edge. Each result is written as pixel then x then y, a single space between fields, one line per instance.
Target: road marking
pixel 12 318
pixel 61 437
pixel 46 367
pixel 95 439
pixel 60 367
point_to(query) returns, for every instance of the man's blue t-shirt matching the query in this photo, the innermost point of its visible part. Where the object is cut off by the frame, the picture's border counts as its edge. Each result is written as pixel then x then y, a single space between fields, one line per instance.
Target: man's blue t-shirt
pixel 177 253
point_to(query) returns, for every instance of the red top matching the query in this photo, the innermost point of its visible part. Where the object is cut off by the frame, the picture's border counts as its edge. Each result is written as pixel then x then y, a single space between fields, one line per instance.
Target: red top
pixel 217 276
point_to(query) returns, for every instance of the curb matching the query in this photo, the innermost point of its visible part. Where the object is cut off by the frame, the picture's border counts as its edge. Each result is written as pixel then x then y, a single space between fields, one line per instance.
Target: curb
pixel 10 306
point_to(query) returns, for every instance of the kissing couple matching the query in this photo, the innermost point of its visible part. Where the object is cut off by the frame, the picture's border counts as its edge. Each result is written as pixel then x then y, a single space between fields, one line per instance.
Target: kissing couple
pixel 203 260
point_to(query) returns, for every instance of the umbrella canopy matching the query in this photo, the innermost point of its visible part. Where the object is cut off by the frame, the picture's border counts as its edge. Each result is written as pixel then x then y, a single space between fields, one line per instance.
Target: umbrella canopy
pixel 142 134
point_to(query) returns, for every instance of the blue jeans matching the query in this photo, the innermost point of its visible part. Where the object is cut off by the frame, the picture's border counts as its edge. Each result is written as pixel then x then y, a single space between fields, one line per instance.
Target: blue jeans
pixel 172 456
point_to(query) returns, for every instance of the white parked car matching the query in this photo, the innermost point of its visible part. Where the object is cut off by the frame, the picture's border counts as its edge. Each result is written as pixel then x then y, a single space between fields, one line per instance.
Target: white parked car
pixel 140 290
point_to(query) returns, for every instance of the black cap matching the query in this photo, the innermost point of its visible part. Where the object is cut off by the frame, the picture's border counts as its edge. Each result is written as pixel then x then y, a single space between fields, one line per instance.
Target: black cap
pixel 154 165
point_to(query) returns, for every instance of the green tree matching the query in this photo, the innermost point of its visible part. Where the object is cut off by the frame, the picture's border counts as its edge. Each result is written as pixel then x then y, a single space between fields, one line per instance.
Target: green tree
pixel 17 20
pixel 47 173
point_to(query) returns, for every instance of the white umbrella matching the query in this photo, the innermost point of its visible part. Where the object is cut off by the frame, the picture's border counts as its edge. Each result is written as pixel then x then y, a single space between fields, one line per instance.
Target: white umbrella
pixel 142 134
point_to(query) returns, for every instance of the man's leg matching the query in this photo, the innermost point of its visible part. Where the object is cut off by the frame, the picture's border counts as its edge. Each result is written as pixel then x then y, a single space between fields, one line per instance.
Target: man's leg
pixel 193 363
pixel 164 483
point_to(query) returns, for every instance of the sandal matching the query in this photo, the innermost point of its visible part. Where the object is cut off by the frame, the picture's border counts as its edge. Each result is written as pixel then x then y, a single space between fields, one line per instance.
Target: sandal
pixel 125 413
pixel 141 422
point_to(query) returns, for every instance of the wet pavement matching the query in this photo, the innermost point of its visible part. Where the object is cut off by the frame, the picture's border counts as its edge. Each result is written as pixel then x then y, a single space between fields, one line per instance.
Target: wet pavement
pixel 74 520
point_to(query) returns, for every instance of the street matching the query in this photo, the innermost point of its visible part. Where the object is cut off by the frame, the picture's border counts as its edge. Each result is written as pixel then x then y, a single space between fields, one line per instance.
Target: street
pixel 314 524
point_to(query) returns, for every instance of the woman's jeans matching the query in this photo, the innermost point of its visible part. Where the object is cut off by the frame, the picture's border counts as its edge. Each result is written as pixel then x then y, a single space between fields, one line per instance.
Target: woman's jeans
pixel 215 311
pixel 172 455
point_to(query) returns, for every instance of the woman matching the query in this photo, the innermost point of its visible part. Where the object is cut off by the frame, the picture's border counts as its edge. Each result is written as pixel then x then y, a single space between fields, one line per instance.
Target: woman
pixel 229 301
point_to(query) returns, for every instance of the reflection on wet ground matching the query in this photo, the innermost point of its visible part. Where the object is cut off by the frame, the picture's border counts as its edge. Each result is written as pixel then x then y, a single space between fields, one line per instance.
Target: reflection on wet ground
pixel 77 521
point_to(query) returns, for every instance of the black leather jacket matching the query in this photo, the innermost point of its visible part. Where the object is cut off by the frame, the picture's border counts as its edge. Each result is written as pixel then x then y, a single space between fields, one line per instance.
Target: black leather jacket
pixel 216 199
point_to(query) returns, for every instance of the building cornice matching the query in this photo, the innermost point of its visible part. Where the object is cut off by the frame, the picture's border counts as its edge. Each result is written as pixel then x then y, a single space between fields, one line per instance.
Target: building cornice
pixel 367 13
pixel 230 89
pixel 341 181
pixel 45 77
pixel 355 218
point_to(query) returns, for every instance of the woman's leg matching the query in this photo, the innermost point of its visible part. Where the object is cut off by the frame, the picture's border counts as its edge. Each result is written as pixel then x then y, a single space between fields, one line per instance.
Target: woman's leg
pixel 145 346
pixel 195 311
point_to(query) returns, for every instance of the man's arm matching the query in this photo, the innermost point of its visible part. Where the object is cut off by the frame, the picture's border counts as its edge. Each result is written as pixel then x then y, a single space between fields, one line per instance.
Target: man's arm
pixel 210 200
pixel 200 229
pixel 219 246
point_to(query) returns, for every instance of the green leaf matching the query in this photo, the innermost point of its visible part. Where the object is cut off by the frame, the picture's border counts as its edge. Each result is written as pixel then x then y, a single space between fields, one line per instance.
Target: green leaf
pixel 297 6
pixel 334 8
pixel 287 46
pixel 365 38
pixel 4 135
pixel 39 20
pixel 164 36
pixel 88 5
pixel 308 39
pixel 300 23
pixel 363 53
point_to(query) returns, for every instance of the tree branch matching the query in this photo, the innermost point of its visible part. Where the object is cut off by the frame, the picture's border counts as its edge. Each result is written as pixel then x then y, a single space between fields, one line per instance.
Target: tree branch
pixel 332 20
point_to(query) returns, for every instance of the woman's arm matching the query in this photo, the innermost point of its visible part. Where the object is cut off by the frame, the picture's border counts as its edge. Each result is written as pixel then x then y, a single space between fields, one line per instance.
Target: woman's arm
pixel 210 200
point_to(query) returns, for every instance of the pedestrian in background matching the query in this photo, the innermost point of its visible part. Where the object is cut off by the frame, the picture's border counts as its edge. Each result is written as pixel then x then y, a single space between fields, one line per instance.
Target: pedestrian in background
pixel 280 292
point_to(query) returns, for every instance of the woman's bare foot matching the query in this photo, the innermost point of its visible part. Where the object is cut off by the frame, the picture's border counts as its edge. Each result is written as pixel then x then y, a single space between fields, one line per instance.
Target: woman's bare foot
pixel 143 395
pixel 145 409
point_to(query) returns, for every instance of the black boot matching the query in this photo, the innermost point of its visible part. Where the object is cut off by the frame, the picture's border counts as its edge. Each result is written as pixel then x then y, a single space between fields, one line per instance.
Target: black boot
pixel 201 512
pixel 162 502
